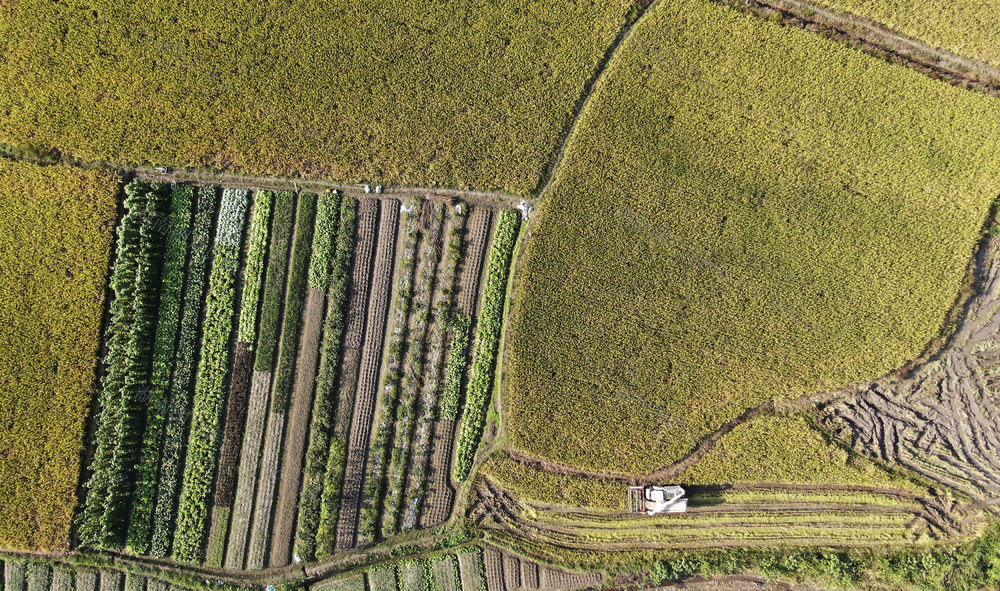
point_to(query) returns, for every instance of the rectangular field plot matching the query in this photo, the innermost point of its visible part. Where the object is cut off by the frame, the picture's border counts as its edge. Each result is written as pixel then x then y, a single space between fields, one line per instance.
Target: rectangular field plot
pixel 312 339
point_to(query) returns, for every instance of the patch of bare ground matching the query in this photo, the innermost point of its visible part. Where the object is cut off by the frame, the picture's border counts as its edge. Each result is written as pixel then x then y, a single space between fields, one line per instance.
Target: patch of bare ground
pixel 367 384
pixel 297 430
pixel 941 419
pixel 436 353
pixel 253 436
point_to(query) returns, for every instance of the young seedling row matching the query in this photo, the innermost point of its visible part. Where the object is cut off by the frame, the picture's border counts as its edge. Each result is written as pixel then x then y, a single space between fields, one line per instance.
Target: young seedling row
pixel 288 372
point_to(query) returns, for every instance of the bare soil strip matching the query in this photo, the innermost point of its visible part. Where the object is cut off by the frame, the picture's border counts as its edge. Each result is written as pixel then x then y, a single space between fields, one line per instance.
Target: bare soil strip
pixel 941 420
pixel 253 436
pixel 473 251
pixel 469 565
pixel 266 479
pixel 437 352
pixel 229 455
pixel 367 388
pixel 357 312
pixel 297 430
pixel 494 569
pixel 443 571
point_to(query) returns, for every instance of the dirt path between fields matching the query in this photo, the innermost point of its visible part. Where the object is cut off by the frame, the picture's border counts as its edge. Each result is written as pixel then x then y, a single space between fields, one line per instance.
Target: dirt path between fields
pixel 876 39
pixel 297 429
pixel 673 470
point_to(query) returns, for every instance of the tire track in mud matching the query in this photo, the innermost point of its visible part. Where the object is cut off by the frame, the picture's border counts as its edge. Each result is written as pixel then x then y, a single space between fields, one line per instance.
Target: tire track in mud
pixel 942 420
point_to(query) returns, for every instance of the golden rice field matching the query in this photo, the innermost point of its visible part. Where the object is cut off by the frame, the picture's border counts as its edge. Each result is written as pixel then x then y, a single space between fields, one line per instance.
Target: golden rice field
pixel 960 26
pixel 452 93
pixel 745 212
pixel 55 234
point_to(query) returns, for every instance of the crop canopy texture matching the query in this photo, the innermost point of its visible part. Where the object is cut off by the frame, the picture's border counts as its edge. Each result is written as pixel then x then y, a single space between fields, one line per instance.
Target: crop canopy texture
pixel 457 93
pixel 745 212
pixel 55 236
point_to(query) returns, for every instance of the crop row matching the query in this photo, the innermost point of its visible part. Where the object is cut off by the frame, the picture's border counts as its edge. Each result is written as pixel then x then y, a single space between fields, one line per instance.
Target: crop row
pixel 213 368
pixel 417 485
pixel 324 406
pixel 122 308
pixel 138 369
pixel 274 291
pixel 413 370
pixel 455 369
pixel 488 332
pixel 324 241
pixel 135 282
pixel 295 296
pixel 263 202
pixel 382 440
pixel 175 431
pixel 171 296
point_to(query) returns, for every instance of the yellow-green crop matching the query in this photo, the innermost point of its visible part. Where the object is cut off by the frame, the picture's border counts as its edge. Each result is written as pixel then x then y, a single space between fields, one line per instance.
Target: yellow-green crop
pixel 441 93
pixel 55 234
pixel 745 212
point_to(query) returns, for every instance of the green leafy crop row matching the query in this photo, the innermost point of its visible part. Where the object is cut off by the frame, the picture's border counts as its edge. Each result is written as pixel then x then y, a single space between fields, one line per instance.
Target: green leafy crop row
pixel 171 295
pixel 210 391
pixel 487 342
pixel 324 407
pixel 175 431
pixel 260 220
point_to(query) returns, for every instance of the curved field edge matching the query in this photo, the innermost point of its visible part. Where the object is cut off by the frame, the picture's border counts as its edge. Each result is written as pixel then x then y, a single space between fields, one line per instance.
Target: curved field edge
pixel 746 212
pixel 449 95
pixel 963 27
pixel 55 240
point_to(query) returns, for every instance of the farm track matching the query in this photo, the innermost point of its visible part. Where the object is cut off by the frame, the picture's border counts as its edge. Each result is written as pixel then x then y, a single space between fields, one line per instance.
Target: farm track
pixel 297 430
pixel 942 420
pixel 878 40
pixel 253 436
pixel 490 199
pixel 367 384
pixel 907 519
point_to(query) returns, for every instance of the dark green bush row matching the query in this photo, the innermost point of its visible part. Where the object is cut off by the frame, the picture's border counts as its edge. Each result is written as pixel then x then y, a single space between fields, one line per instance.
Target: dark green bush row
pixel 324 248
pixel 117 336
pixel 171 295
pixel 326 533
pixel 274 283
pixel 458 360
pixel 487 342
pixel 324 405
pixel 295 297
pixel 138 367
pixel 260 222
pixel 175 431
pixel 210 385
pixel 381 442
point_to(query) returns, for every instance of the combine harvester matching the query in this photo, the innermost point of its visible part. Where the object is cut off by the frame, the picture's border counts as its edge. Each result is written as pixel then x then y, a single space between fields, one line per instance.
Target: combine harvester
pixel 654 500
